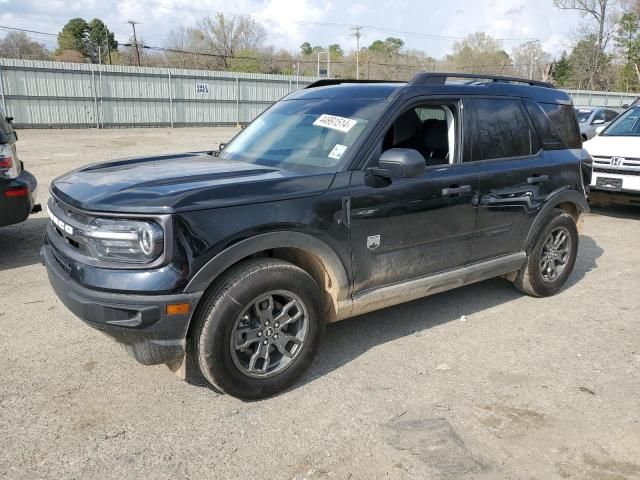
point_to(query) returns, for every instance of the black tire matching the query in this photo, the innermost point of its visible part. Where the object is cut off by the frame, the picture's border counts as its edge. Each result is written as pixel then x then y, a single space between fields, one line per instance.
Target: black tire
pixel 530 279
pixel 223 307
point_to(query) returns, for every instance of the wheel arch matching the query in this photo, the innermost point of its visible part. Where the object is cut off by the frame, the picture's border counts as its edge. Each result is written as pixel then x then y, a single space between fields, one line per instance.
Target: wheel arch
pixel 571 201
pixel 306 251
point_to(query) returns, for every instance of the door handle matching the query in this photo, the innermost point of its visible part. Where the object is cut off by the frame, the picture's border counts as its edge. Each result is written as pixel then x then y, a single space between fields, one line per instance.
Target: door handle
pixel 537 179
pixel 454 190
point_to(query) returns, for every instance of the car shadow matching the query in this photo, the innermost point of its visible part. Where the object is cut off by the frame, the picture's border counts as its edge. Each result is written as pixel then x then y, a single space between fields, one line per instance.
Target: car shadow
pixel 627 212
pixel 20 244
pixel 348 339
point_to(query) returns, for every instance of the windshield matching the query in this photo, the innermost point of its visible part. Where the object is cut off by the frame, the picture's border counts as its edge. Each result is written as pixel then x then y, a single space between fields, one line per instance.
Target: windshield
pixel 583 114
pixel 312 135
pixel 626 125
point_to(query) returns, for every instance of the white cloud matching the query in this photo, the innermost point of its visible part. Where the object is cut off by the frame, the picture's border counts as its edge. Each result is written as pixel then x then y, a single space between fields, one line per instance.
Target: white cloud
pixel 289 22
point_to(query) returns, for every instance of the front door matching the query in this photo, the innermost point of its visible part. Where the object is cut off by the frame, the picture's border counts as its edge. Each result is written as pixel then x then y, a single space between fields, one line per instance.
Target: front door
pixel 405 228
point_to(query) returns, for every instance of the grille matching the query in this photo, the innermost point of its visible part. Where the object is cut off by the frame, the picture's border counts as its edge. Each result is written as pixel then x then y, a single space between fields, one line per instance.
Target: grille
pixel 617 172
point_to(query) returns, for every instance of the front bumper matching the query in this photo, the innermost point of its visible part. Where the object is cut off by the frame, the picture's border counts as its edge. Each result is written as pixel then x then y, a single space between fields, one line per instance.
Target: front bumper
pixel 139 322
pixel 17 209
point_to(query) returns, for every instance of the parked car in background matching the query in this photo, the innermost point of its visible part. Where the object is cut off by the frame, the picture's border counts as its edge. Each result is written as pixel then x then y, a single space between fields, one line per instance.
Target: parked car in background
pixel 341 199
pixel 18 188
pixel 616 160
pixel 590 118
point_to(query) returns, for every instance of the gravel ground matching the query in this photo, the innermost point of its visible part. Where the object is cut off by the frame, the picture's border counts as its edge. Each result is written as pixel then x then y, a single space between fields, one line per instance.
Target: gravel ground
pixel 480 382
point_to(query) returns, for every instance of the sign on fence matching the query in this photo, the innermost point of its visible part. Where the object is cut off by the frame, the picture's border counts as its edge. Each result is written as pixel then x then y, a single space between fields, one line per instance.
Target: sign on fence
pixel 202 88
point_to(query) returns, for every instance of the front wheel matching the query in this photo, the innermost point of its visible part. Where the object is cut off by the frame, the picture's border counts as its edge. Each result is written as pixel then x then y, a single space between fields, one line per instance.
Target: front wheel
pixel 550 257
pixel 259 329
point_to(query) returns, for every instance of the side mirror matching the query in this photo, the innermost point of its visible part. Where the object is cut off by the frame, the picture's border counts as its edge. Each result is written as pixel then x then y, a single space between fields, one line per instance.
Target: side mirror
pixel 399 163
pixel 9 119
pixel 598 121
pixel 599 130
pixel 221 146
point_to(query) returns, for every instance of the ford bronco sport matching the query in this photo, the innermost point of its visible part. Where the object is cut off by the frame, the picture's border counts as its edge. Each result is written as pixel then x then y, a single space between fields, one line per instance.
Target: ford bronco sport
pixel 340 199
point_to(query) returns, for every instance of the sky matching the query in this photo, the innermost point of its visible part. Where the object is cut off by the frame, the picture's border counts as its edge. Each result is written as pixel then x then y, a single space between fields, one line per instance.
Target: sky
pixel 428 25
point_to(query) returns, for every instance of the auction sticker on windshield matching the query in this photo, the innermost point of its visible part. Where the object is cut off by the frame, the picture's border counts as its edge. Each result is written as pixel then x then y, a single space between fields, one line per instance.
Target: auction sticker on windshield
pixel 337 151
pixel 335 122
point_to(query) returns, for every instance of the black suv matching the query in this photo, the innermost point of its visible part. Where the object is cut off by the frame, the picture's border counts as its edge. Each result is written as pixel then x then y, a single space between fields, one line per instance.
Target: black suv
pixel 18 188
pixel 343 198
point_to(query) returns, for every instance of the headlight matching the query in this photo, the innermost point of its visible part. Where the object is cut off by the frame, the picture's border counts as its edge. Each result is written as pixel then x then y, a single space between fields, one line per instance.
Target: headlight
pixel 126 241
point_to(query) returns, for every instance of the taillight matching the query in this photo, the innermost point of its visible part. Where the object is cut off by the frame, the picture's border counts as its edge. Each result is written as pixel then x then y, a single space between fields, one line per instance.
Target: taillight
pixel 16 192
pixel 8 163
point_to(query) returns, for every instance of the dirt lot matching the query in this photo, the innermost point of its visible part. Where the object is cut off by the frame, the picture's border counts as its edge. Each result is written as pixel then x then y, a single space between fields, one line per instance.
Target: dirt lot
pixel 480 382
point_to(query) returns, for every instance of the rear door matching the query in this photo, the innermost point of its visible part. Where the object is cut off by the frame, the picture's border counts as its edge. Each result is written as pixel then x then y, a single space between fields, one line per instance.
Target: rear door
pixel 515 173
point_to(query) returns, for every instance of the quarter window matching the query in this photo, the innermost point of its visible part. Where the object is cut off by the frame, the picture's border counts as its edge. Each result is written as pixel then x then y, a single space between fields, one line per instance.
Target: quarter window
pixel 498 128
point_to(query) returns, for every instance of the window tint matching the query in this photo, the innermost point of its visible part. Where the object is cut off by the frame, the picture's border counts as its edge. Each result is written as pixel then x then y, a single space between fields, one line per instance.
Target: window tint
pixel 499 129
pixel 610 115
pixel 563 124
pixel 5 128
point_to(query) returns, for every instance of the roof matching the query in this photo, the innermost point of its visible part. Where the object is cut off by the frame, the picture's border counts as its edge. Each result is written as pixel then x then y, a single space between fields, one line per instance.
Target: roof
pixel 436 84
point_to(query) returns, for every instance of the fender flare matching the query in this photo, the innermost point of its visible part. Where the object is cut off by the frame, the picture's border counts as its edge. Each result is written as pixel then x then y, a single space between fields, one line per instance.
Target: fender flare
pixel 565 196
pixel 267 241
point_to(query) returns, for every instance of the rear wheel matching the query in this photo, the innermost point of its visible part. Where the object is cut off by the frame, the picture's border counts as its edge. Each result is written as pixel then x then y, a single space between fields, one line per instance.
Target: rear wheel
pixel 550 257
pixel 259 329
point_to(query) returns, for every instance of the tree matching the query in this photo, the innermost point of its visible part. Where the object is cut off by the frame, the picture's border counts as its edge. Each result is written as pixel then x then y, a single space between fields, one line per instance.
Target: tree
pixel 336 51
pixel 306 49
pixel 246 61
pixel 561 71
pixel 73 36
pixel 628 43
pixel 478 53
pixel 599 10
pixel 19 45
pixel 594 40
pixel 224 36
pixel 589 65
pixel 531 61
pixel 99 41
pixel 87 39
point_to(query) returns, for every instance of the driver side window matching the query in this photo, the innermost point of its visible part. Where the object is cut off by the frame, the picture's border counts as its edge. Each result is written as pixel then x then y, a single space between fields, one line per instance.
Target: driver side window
pixel 427 128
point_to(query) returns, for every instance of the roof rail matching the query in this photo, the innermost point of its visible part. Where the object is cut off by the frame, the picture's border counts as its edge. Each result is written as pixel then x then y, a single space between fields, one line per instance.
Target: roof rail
pixel 438 78
pixel 337 81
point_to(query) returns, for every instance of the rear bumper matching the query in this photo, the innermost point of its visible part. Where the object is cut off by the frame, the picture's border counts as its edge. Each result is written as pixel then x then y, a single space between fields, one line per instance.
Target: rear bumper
pixel 17 209
pixel 139 322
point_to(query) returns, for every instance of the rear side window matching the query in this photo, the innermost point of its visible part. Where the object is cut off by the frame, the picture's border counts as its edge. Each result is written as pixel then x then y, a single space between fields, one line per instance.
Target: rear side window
pixel 609 115
pixel 5 128
pixel 498 128
pixel 563 122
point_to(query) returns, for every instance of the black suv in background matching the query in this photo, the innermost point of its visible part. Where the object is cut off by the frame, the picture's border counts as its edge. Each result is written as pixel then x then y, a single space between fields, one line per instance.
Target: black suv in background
pixel 18 188
pixel 343 198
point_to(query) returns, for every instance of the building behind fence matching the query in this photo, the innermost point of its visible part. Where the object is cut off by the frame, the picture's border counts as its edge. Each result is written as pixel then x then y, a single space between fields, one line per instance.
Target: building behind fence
pixel 40 94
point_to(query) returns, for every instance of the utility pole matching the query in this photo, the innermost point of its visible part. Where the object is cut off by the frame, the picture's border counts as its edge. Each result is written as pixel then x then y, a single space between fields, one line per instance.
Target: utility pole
pixel 135 38
pixel 357 34
pixel 108 45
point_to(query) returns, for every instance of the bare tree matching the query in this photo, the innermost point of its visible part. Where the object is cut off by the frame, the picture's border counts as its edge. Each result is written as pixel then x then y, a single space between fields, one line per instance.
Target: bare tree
pixel 603 16
pixel 19 45
pixel 225 36
pixel 531 61
pixel 601 11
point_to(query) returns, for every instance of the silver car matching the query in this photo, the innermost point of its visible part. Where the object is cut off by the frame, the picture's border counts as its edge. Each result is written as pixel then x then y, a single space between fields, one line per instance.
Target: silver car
pixel 590 118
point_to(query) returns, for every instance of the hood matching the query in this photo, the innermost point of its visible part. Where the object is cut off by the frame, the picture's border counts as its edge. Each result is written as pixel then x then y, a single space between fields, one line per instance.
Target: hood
pixel 173 183
pixel 605 146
